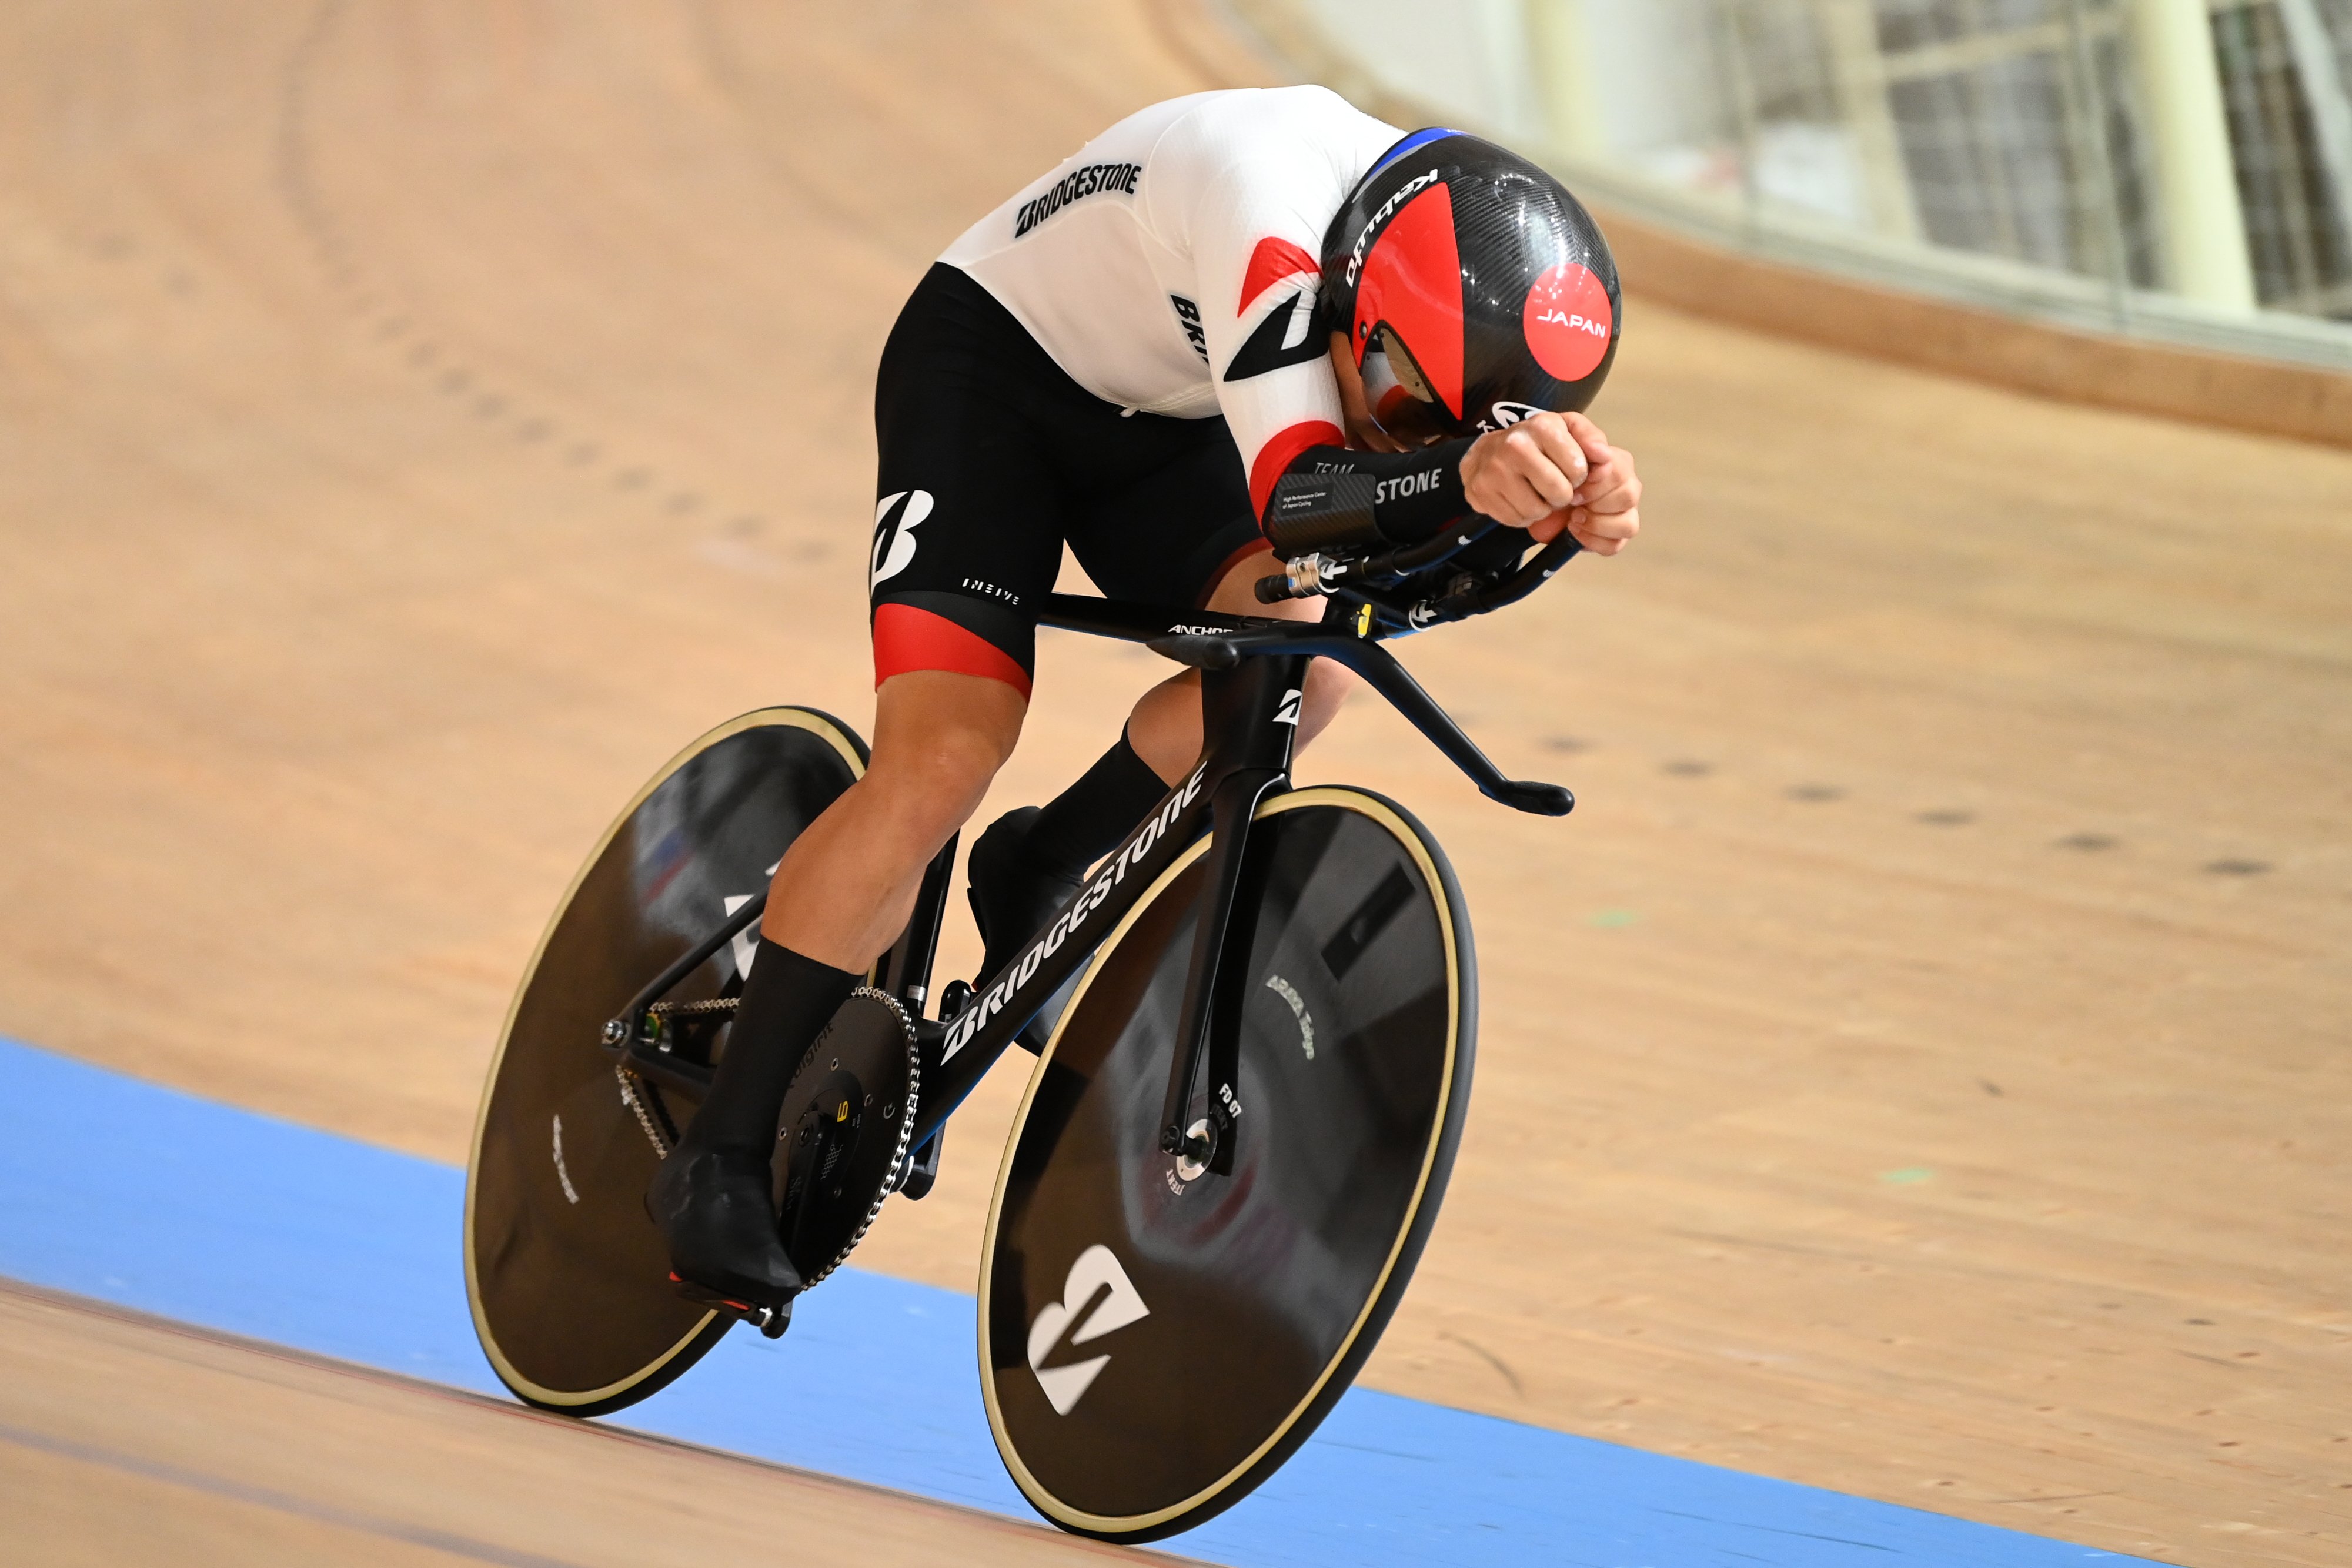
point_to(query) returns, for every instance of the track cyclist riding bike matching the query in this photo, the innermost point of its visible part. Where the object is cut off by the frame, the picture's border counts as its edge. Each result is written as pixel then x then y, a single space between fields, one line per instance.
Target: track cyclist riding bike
pixel 1219 302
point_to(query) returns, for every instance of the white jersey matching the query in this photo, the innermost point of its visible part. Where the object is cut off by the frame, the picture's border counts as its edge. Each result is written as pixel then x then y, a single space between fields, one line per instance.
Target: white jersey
pixel 1170 264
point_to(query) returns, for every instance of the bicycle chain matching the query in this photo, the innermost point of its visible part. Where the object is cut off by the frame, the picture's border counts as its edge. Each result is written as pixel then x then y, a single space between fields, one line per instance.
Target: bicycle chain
pixel 638 1095
pixel 686 1010
pixel 631 1086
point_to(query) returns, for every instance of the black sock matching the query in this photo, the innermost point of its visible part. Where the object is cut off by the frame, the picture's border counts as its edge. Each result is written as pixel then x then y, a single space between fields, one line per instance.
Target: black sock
pixel 1086 820
pixel 787 1002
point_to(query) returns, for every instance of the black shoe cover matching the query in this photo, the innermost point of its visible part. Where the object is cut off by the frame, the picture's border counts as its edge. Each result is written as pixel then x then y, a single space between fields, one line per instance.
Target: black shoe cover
pixel 714 1208
pixel 1013 897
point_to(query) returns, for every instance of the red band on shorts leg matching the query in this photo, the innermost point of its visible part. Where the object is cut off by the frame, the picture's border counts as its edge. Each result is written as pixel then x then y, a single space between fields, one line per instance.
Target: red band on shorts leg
pixel 906 639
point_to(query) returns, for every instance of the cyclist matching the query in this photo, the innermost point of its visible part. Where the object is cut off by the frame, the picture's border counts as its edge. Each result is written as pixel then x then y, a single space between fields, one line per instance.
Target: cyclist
pixel 1129 357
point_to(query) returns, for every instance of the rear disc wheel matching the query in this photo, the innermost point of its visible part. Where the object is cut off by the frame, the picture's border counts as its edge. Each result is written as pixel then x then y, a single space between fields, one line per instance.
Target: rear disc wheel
pixel 567 1278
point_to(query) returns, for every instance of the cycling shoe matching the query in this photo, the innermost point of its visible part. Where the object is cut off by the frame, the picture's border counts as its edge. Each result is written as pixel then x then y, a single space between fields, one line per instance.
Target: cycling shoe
pixel 715 1209
pixel 1013 897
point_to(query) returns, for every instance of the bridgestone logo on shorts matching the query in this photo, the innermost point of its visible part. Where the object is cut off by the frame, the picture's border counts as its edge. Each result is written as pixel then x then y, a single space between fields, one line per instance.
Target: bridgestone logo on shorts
pixel 1076 186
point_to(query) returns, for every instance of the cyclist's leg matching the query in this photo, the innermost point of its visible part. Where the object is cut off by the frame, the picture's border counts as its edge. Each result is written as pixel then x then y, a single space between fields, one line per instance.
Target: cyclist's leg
pixel 847 886
pixel 1165 519
pixel 841 894
pixel 967 540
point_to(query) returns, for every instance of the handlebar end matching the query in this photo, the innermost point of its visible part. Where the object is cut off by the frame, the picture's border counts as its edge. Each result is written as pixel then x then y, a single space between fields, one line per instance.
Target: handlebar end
pixel 1200 653
pixel 1536 800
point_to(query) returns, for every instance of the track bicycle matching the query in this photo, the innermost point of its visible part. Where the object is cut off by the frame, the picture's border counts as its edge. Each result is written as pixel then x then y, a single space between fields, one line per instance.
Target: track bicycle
pixel 1230 1152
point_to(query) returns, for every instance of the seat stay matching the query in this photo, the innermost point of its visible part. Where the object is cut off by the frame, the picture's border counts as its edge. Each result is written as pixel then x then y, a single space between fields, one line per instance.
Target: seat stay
pixel 629 1023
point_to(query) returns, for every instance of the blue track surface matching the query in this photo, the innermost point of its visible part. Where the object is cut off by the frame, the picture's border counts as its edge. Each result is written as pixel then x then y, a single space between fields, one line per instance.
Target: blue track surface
pixel 117 1189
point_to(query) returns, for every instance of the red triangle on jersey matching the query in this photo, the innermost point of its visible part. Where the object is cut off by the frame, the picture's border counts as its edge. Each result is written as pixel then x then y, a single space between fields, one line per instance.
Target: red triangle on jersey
pixel 1272 260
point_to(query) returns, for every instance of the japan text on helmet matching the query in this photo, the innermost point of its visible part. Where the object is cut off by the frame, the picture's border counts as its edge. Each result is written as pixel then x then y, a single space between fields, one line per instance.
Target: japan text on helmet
pixel 1474 289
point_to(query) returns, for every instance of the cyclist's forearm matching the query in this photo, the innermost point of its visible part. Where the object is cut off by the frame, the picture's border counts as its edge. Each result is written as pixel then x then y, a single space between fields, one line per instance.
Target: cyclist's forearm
pixel 1415 493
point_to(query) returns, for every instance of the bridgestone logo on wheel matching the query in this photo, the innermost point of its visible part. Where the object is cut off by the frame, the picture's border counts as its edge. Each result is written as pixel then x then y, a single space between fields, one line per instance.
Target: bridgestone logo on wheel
pixel 1096 1268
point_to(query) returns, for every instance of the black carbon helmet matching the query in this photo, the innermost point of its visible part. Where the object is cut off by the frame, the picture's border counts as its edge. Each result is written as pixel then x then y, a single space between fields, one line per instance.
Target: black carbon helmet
pixel 1474 289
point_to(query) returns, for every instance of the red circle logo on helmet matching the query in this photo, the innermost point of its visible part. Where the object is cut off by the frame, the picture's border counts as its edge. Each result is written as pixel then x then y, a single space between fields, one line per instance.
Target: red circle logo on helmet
pixel 1566 321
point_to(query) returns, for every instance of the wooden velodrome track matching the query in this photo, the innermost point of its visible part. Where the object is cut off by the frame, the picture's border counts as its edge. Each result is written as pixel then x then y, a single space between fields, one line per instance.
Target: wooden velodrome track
pixel 1918 1068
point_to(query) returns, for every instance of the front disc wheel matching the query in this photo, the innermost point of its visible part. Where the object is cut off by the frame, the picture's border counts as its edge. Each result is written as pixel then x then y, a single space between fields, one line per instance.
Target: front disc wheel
pixel 1155 1338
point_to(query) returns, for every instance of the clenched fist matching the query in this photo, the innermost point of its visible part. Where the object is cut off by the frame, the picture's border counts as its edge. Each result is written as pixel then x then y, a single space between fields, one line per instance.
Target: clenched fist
pixel 1556 471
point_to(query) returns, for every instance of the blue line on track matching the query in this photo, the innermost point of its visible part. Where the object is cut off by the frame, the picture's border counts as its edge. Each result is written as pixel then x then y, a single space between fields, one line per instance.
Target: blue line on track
pixel 115 1189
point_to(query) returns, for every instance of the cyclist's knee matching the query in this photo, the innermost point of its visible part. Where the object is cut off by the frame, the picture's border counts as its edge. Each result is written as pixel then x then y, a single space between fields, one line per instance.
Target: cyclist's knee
pixel 948 764
pixel 1327 686
pixel 1329 682
pixel 939 738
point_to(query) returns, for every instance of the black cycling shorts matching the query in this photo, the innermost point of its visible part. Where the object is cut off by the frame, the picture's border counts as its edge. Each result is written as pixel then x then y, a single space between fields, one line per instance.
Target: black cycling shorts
pixel 992 458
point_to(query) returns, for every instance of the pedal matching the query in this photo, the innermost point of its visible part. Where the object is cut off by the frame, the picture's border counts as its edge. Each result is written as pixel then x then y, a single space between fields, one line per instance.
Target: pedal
pixel 769 1320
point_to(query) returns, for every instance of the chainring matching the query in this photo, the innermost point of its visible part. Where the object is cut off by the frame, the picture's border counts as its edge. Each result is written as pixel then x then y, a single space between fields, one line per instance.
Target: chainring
pixel 847 1120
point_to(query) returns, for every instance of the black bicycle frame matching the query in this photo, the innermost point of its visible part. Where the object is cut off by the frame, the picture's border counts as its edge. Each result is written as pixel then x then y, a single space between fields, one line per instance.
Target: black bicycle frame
pixel 1253 682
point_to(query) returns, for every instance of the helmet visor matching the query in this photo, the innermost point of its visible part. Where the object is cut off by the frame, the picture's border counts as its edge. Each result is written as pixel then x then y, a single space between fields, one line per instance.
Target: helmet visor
pixel 1398 396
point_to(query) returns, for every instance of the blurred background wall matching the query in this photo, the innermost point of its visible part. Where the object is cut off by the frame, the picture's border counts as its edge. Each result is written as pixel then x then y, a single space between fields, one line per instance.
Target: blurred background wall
pixel 2173 171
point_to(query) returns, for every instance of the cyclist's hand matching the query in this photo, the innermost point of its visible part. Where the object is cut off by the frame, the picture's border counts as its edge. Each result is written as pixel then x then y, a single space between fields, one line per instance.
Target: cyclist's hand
pixel 1607 511
pixel 1552 472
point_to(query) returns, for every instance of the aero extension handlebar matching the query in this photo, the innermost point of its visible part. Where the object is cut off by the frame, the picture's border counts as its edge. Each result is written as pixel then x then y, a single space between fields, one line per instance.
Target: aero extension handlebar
pixel 1363 614
pixel 1381 578
pixel 1380 670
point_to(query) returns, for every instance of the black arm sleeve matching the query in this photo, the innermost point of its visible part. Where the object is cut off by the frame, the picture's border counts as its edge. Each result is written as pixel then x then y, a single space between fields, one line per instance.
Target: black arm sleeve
pixel 1365 497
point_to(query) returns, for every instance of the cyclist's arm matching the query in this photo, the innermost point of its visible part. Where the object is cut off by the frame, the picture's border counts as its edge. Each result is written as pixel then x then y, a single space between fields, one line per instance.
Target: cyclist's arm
pixel 1269 358
pixel 1548 473
pixel 1414 494
pixel 1250 210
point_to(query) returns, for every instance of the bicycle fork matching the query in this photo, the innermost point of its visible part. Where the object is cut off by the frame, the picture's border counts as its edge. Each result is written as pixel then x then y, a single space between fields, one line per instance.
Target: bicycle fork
pixel 1250 715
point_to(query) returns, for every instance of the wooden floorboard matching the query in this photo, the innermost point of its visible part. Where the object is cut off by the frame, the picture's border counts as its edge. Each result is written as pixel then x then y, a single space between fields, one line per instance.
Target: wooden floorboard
pixel 126 1439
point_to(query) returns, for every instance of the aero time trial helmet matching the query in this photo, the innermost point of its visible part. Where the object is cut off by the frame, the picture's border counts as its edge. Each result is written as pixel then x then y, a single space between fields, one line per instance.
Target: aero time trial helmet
pixel 1474 289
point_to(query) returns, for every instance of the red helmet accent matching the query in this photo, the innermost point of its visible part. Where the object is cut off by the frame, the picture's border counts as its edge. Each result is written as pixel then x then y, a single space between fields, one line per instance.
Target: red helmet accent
pixel 1413 281
pixel 1485 284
